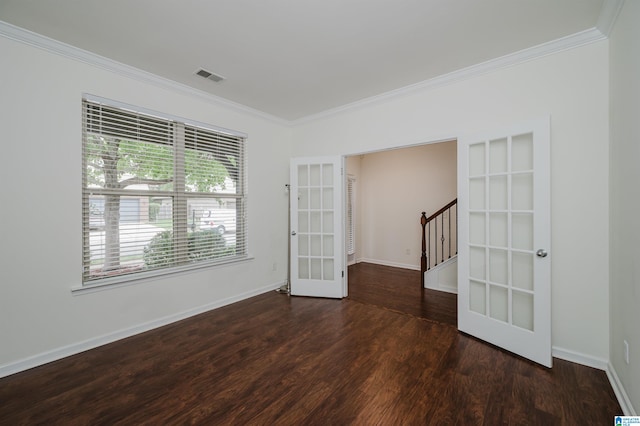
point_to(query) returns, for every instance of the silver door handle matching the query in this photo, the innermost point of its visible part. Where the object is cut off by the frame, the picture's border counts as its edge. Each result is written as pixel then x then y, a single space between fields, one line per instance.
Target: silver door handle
pixel 293 232
pixel 541 253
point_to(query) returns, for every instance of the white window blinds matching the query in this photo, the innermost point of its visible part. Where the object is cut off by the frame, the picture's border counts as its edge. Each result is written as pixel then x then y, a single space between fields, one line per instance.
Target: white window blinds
pixel 351 245
pixel 159 194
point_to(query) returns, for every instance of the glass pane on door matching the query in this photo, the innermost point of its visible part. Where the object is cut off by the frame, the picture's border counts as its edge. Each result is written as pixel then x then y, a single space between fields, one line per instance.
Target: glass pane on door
pixel 498 156
pixel 522 152
pixel 499 303
pixel 477 297
pixel 523 310
pixel 504 201
pixel 315 222
pixel 317 242
pixel 500 234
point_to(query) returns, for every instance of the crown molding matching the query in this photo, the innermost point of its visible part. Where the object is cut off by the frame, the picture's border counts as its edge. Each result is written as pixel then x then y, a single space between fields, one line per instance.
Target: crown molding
pixel 608 15
pixel 569 42
pixel 59 48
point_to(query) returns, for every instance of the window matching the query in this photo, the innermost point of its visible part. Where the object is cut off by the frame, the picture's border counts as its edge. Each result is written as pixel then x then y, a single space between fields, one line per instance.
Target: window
pixel 159 194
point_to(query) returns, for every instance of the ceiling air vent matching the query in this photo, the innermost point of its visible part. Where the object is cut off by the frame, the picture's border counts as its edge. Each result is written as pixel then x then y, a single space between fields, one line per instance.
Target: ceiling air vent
pixel 211 76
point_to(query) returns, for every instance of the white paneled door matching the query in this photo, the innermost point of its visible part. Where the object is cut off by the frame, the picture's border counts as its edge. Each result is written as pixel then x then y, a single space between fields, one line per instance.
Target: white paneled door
pixel 317 235
pixel 504 268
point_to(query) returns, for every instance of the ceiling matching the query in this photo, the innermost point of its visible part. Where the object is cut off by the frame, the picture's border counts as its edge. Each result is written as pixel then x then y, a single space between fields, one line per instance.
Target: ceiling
pixel 297 58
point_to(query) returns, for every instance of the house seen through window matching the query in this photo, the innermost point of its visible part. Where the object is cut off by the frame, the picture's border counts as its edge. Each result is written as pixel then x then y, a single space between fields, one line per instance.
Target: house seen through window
pixel 160 194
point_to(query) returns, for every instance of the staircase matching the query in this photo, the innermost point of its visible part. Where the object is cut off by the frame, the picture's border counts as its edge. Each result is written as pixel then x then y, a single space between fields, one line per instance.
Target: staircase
pixel 443 277
pixel 440 248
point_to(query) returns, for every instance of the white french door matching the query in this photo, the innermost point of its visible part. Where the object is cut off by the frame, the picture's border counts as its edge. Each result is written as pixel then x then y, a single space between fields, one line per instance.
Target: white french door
pixel 504 266
pixel 317 235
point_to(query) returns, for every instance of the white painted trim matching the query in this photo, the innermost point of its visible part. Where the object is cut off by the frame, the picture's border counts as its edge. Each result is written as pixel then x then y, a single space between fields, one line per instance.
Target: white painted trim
pixel 142 277
pixel 71 52
pixel 387 263
pixel 608 15
pixel 606 20
pixel 600 364
pixel 94 342
pixel 565 43
pixel 432 276
pixel 621 393
pixel 579 358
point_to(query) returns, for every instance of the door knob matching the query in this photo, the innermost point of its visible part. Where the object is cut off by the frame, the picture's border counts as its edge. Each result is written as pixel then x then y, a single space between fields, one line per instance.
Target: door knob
pixel 541 253
pixel 293 232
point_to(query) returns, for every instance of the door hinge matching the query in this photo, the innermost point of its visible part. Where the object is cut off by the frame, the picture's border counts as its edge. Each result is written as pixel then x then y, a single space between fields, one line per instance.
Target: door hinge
pixel 342 274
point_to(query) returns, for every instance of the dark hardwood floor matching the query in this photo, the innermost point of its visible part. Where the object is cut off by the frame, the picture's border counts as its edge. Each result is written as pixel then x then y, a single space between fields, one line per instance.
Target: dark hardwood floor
pixel 275 359
pixel 399 290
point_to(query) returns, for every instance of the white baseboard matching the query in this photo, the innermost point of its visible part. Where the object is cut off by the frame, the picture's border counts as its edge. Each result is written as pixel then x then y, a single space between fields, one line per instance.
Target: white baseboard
pixel 621 393
pixel 443 288
pixel 600 364
pixel 75 348
pixel 387 263
pixel 579 358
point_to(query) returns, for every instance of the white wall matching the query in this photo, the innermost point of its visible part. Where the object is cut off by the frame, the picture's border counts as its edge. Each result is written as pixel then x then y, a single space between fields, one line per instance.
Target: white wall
pixel 40 169
pixel 625 199
pixel 572 86
pixel 40 218
pixel 395 186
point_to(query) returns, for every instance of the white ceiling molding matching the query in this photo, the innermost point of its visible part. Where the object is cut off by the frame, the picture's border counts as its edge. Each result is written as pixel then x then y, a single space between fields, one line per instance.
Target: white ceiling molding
pixel 608 15
pixel 579 39
pixel 607 18
pixel 54 46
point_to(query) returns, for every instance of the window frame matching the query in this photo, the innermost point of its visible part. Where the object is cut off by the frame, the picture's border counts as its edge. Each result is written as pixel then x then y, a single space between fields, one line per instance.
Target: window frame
pixel 180 195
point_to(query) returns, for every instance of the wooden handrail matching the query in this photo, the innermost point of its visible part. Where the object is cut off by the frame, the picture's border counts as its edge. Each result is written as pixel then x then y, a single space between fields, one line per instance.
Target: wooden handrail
pixel 439 212
pixel 424 220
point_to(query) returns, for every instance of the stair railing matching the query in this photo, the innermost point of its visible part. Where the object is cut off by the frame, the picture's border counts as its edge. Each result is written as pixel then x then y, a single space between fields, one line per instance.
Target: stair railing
pixel 432 237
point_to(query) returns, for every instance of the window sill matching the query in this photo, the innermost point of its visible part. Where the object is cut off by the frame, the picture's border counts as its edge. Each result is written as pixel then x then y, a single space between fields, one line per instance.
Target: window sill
pixel 125 281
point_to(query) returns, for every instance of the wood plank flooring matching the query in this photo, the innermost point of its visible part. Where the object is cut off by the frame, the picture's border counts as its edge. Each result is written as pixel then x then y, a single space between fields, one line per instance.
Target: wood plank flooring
pixel 400 290
pixel 275 359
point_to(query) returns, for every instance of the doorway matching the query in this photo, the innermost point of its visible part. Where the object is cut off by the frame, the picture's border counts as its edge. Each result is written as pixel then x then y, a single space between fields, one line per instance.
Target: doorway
pixel 503 276
pixel 391 189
